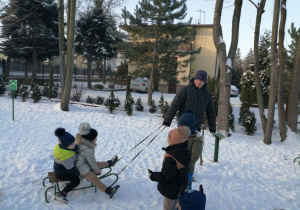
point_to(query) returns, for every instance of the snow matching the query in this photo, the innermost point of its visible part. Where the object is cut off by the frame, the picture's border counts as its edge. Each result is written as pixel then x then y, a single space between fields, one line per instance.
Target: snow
pixel 248 174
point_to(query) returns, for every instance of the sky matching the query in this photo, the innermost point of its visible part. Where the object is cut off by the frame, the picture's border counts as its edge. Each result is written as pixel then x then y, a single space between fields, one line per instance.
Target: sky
pixel 248 175
pixel 247 21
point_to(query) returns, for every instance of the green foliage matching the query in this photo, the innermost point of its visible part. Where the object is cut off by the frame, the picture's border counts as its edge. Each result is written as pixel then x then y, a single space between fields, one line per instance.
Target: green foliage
pixel 99 100
pixel 138 105
pixel 213 87
pixel 2 87
pixel 23 92
pixel 112 102
pixel 95 35
pixel 30 28
pixel 160 24
pixel 292 48
pixel 247 119
pixel 129 105
pixel 165 109
pixel 36 93
pixel 55 88
pixel 161 103
pixel 90 100
pixel 45 91
pixel 153 107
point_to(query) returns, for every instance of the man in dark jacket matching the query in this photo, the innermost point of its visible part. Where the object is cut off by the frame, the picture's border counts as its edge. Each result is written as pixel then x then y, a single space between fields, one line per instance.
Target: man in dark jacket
pixel 197 97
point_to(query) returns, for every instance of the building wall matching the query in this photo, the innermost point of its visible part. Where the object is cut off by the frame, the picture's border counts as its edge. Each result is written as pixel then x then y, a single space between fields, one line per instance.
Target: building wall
pixel 205 60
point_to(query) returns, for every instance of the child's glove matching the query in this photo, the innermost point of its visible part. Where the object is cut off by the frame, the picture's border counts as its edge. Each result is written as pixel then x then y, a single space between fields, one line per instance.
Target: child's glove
pixel 151 174
pixel 100 171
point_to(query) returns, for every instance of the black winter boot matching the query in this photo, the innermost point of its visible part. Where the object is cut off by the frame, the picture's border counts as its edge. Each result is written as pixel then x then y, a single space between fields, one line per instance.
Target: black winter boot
pixel 111 190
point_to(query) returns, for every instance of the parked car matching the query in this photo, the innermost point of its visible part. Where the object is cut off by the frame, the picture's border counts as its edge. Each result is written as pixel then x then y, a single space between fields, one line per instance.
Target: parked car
pixel 140 84
pixel 234 92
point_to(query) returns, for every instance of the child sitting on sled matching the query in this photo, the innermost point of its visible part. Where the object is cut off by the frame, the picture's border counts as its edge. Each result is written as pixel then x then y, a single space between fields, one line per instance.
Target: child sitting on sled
pixel 174 172
pixel 86 162
pixel 64 162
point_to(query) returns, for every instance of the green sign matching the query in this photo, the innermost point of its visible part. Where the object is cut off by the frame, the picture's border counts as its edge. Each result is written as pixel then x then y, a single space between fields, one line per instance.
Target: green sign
pixel 13 84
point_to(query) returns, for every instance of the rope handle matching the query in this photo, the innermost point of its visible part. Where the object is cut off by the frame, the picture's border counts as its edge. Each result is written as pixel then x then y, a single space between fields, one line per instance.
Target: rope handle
pixel 139 143
pixel 143 148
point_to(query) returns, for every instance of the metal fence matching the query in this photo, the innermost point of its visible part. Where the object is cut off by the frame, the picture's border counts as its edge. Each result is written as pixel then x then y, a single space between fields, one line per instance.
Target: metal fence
pixel 18 68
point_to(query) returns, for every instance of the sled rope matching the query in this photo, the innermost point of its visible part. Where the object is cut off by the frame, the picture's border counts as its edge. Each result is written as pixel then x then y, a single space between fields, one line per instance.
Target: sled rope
pixel 143 148
pixel 140 143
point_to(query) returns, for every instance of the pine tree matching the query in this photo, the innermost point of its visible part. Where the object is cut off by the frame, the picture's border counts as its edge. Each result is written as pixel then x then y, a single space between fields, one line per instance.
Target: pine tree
pixel 90 100
pixel 45 91
pixel 30 30
pixel 161 103
pixel 112 102
pixel 160 24
pixel 247 119
pixel 99 100
pixel 165 109
pixel 23 92
pixel 55 90
pixel 35 91
pixel 129 105
pixel 2 87
pixel 153 107
pixel 95 37
pixel 138 105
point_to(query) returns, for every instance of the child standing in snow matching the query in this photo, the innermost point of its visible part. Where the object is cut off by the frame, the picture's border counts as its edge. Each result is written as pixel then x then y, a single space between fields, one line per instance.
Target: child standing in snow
pixel 86 163
pixel 64 162
pixel 174 172
pixel 195 142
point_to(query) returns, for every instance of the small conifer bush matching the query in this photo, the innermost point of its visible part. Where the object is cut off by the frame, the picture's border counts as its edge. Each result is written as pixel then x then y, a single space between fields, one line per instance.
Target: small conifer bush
pixel 138 105
pixel 129 105
pixel 36 93
pixel 153 107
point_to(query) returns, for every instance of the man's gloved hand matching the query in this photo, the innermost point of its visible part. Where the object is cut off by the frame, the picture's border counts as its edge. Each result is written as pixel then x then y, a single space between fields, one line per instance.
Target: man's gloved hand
pixel 151 174
pixel 166 124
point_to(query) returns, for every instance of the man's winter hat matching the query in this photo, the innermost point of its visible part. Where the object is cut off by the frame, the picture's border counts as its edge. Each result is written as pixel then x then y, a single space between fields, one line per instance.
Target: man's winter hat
pixel 65 138
pixel 202 75
pixel 87 132
pixel 192 200
pixel 178 135
pixel 188 119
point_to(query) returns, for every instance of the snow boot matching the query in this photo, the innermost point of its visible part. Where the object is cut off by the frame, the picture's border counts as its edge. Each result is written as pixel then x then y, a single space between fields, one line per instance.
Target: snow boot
pixel 113 160
pixel 111 190
pixel 61 197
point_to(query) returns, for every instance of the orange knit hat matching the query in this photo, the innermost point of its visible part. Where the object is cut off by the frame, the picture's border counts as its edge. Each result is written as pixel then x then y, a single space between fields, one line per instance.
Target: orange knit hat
pixel 178 135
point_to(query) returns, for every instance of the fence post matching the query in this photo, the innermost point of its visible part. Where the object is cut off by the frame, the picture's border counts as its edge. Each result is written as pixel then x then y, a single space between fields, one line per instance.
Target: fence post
pixel 218 137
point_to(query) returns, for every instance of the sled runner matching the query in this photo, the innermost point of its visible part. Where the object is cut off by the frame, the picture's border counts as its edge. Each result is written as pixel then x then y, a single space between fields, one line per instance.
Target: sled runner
pixel 55 183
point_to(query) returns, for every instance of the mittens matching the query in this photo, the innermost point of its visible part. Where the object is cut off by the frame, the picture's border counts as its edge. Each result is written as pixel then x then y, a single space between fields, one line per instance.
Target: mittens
pixel 151 174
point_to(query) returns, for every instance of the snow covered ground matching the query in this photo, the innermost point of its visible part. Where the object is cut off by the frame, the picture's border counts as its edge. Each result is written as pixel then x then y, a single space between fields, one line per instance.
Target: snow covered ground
pixel 249 174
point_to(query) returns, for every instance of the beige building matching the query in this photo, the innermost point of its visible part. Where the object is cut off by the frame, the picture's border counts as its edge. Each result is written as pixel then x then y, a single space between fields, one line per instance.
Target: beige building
pixel 205 60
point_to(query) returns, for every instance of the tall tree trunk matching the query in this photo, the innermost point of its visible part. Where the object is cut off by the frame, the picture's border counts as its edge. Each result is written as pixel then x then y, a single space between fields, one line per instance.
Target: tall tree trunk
pixel 260 103
pixel 273 74
pixel 151 81
pixel 89 70
pixel 104 71
pixel 8 66
pixel 26 70
pixel 61 46
pixel 70 56
pixel 225 63
pixel 293 99
pixel 281 113
pixel 35 65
